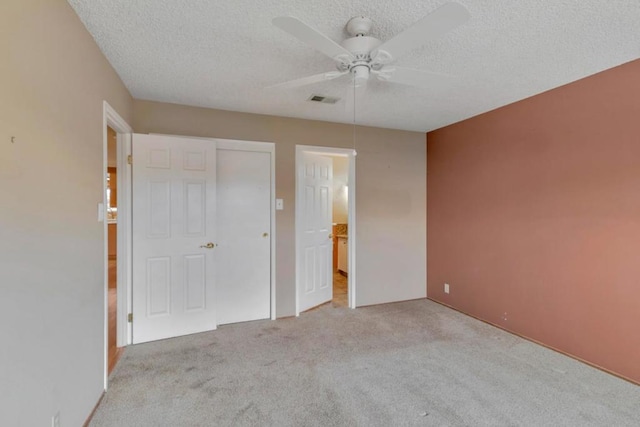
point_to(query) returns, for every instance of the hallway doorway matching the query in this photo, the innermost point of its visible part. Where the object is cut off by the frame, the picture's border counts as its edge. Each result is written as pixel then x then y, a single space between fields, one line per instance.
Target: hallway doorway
pixel 111 197
pixel 115 216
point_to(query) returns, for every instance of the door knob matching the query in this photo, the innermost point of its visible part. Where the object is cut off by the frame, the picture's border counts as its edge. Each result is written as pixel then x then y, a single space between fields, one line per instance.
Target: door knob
pixel 331 236
pixel 265 234
pixel 208 245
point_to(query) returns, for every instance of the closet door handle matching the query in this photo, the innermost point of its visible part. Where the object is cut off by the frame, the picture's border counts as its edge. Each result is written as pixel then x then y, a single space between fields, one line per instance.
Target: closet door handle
pixel 209 245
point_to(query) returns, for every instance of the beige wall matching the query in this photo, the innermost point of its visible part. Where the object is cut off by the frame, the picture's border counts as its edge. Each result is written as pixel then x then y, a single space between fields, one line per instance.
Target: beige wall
pixel 340 194
pixel 391 192
pixel 53 80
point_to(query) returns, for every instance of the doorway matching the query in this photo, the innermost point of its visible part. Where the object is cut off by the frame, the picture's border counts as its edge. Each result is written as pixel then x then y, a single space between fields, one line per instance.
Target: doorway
pixel 340 231
pixel 117 240
pixel 325 227
pixel 111 196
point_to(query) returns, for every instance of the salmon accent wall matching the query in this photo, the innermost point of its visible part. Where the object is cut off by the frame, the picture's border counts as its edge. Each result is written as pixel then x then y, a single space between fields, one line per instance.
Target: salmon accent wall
pixel 533 218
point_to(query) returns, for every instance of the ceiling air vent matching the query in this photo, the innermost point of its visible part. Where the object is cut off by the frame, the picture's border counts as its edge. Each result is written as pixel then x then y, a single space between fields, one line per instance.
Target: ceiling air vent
pixel 323 99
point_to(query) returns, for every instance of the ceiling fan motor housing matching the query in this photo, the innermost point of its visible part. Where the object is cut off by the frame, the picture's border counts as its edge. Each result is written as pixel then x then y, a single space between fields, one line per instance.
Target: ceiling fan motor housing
pixel 360 65
pixel 361 46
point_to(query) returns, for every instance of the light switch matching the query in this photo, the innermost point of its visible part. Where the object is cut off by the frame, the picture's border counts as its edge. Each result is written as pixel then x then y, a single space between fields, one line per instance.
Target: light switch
pixel 100 212
pixel 279 204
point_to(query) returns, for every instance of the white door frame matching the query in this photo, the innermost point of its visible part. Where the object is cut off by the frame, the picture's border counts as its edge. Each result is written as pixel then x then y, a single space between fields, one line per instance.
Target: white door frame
pixel 260 146
pixel 351 215
pixel 113 120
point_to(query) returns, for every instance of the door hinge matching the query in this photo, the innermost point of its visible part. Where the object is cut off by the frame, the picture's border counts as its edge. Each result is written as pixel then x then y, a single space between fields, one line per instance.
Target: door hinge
pixel 130 159
pixel 130 318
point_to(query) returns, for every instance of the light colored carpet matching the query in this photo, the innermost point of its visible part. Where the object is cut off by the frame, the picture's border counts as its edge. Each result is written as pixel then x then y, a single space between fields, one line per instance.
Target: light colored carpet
pixel 403 364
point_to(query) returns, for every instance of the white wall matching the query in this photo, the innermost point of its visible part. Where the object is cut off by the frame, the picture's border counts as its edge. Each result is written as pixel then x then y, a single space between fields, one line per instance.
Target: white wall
pixel 53 80
pixel 390 201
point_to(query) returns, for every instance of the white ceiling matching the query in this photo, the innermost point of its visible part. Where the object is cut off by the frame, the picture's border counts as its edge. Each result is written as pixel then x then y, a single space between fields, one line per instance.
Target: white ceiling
pixel 221 54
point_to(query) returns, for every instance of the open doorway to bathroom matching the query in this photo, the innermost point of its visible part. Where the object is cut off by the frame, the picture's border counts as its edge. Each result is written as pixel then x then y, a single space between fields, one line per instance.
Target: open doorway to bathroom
pixel 325 227
pixel 340 231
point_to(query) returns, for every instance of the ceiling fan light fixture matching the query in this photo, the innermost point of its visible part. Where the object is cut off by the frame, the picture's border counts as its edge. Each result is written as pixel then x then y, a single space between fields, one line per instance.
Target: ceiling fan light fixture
pixel 360 74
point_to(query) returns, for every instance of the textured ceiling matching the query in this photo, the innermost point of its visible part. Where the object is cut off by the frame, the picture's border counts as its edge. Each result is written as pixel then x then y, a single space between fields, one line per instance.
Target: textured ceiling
pixel 222 54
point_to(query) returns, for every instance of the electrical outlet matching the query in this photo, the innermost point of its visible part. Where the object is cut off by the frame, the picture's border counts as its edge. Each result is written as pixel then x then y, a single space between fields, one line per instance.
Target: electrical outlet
pixel 55 420
pixel 446 288
pixel 504 316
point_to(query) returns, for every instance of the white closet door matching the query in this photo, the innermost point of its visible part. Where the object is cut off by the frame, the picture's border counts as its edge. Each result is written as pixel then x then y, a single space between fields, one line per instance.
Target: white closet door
pixel 315 257
pixel 244 235
pixel 174 204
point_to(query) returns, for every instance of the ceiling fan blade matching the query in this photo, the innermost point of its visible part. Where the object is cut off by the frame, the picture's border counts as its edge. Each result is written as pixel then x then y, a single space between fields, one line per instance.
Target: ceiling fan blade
pixel 437 23
pixel 412 77
pixel 310 36
pixel 316 78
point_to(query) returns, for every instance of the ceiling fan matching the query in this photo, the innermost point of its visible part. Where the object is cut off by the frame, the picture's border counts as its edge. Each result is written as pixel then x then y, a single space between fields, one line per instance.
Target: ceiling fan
pixel 362 55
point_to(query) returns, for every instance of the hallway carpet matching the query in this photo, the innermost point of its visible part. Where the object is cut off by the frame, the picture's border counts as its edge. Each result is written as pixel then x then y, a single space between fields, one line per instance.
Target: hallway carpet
pixel 413 363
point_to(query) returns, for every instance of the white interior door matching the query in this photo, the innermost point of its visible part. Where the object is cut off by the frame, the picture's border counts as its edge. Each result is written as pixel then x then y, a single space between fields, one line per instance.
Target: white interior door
pixel 315 254
pixel 174 204
pixel 243 284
